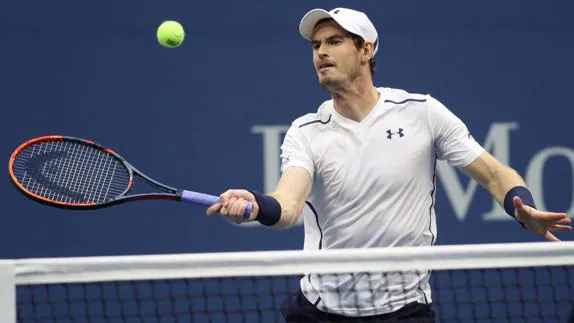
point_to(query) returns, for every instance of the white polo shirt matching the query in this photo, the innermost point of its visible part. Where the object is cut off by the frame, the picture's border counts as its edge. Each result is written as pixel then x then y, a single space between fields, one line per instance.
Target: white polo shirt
pixel 374 186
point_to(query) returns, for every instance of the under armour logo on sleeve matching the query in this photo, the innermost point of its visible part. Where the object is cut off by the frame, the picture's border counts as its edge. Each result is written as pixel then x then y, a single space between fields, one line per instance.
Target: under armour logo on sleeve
pixel 390 133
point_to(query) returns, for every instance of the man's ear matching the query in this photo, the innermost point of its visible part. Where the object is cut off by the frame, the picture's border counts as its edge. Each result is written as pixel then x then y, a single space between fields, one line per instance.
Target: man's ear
pixel 367 52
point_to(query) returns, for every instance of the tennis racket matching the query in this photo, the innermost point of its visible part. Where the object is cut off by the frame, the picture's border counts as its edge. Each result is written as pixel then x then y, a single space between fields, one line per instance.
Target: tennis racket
pixel 74 173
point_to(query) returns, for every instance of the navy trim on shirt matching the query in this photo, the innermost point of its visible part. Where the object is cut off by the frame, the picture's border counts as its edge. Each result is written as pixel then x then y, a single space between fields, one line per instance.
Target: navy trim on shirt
pixel 407 100
pixel 315 121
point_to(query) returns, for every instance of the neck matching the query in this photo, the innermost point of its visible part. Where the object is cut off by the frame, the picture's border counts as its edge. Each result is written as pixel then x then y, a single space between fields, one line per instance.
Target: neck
pixel 356 100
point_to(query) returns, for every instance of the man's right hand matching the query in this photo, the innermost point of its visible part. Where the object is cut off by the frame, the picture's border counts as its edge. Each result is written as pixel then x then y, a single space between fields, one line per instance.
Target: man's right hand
pixel 232 205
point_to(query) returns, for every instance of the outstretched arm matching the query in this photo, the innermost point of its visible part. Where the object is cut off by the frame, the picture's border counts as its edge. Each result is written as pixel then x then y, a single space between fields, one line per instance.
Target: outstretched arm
pixel 279 209
pixel 509 190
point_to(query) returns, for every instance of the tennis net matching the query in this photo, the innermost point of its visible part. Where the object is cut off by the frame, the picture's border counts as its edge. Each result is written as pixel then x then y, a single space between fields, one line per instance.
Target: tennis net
pixel 524 282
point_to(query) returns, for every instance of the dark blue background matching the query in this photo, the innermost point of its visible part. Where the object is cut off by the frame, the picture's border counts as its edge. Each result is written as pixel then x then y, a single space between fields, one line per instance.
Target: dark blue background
pixel 95 70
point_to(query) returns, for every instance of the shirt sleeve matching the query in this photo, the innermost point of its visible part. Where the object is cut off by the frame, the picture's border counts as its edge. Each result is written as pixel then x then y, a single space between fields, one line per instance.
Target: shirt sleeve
pixel 452 140
pixel 295 151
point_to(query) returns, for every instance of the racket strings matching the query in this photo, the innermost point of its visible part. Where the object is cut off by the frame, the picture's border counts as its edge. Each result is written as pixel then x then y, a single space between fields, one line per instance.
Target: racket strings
pixel 70 172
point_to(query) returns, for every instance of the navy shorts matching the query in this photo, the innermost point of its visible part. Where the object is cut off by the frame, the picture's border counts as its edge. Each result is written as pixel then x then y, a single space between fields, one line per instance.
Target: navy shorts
pixel 297 309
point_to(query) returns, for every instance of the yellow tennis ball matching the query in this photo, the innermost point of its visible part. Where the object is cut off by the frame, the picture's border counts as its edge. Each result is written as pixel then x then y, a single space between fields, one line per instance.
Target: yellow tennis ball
pixel 170 34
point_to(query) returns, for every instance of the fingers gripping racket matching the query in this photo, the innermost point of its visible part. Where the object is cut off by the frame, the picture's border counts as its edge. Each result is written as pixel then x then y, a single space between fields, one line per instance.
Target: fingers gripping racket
pixel 75 173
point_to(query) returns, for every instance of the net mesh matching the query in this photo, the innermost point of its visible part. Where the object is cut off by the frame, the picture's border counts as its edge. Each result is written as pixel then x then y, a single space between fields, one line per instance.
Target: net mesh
pixel 70 172
pixel 538 288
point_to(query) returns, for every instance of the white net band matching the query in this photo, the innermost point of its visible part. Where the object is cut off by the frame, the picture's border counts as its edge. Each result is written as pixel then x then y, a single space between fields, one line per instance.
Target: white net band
pixel 527 282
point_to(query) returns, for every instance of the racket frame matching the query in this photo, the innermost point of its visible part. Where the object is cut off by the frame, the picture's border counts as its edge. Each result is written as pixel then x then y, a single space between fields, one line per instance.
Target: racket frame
pixel 170 193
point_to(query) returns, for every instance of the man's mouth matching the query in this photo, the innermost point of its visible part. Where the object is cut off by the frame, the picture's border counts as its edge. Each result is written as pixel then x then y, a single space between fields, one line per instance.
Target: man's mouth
pixel 326 65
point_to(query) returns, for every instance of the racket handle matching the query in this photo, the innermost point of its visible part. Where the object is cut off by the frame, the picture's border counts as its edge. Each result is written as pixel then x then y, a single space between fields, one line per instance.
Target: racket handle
pixel 209 200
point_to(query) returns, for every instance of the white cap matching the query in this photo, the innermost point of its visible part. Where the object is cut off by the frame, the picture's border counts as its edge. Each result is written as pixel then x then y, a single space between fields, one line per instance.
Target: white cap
pixel 355 22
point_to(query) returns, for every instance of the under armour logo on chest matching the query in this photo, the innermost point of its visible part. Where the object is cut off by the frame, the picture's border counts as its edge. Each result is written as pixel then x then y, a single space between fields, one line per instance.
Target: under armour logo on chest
pixel 390 133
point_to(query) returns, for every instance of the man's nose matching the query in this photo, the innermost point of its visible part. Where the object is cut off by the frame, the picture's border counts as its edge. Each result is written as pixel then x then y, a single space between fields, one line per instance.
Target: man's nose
pixel 321 51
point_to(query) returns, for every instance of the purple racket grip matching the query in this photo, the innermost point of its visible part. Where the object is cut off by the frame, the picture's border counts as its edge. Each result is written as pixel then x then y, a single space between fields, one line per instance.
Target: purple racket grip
pixel 209 200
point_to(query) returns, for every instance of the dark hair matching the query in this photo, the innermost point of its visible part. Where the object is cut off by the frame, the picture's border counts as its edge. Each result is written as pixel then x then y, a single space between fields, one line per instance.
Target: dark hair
pixel 359 43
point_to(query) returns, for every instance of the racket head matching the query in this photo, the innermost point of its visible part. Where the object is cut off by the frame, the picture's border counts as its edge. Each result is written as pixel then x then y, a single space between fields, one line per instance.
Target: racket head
pixel 69 172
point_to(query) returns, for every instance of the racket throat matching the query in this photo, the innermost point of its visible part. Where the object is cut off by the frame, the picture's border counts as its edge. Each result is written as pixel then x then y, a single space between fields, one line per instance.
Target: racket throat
pixel 178 195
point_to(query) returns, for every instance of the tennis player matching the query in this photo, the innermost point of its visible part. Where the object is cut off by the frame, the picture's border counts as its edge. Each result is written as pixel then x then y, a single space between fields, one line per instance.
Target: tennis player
pixel 365 164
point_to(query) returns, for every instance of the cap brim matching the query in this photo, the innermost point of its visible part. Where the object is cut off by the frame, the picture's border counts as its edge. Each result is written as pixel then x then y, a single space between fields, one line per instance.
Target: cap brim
pixel 309 21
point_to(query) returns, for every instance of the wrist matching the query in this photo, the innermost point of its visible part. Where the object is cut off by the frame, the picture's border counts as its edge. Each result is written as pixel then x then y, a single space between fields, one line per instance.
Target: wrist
pixel 269 209
pixel 523 193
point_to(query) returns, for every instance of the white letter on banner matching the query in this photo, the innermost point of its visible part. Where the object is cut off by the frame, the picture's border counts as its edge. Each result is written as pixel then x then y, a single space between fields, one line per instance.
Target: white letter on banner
pixel 271 154
pixel 534 174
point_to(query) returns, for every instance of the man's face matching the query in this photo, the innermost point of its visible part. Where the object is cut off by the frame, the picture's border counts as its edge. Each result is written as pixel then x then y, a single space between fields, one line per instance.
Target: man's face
pixel 335 56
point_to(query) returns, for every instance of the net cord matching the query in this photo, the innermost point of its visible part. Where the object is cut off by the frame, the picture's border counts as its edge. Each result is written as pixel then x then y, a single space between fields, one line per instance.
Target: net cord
pixel 293 262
